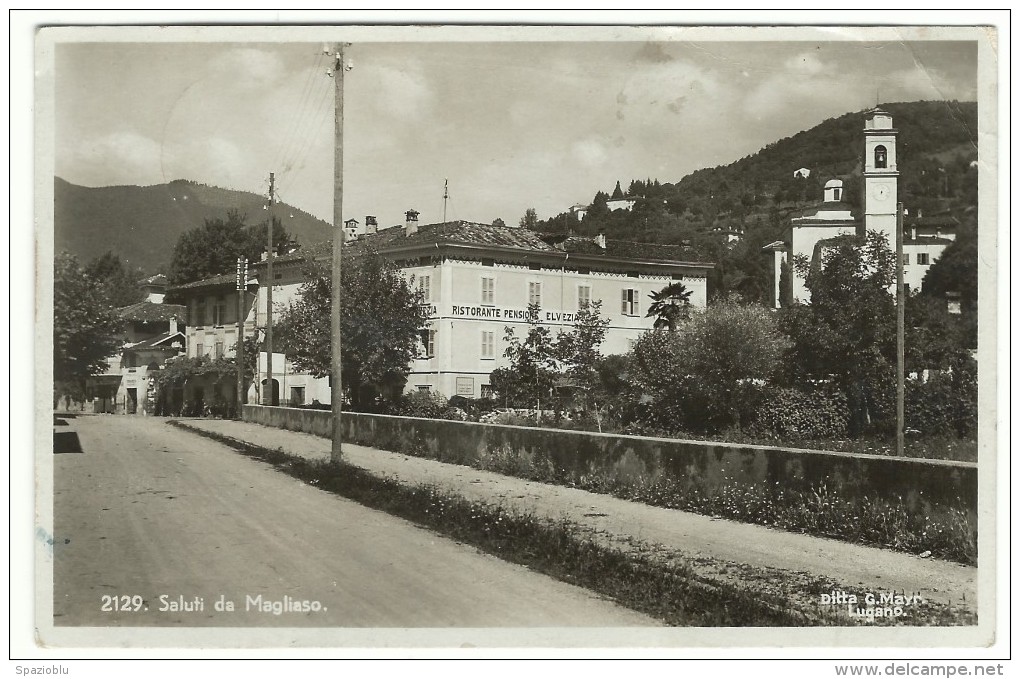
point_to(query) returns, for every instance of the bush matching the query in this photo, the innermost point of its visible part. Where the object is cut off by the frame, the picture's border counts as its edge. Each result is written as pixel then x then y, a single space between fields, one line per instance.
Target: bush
pixel 428 404
pixel 945 404
pixel 793 414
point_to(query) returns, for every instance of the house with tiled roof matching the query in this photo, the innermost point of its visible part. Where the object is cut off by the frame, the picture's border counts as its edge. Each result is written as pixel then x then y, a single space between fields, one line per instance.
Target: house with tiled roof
pixel 152 334
pixel 479 279
pixel 212 307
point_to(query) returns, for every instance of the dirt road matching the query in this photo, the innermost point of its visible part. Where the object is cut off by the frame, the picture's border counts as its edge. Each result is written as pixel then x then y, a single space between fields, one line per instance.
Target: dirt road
pixel 163 519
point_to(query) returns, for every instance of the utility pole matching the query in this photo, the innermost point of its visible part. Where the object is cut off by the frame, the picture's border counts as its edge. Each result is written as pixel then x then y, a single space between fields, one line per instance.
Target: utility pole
pixel 242 287
pixel 336 385
pixel 900 338
pixel 267 393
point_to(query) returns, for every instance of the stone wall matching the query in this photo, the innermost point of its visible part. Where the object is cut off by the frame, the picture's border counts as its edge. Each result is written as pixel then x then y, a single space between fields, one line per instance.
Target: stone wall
pixel 594 460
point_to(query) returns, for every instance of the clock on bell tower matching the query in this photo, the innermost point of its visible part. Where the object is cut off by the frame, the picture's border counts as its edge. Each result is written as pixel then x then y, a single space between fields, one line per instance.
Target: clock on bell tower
pixel 880 174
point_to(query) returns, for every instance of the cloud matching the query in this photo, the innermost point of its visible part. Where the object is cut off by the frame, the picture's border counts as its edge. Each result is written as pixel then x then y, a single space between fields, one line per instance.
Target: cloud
pixel 401 93
pixel 123 157
pixel 806 63
pixel 247 68
pixel 589 152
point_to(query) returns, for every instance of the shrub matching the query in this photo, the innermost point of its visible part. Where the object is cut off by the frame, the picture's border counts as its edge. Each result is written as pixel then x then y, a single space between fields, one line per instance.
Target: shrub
pixel 793 414
pixel 708 374
pixel 945 404
pixel 427 404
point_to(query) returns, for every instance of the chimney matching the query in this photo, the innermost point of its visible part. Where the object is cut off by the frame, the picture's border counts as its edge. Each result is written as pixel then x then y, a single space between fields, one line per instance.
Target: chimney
pixel 411 223
pixel 173 324
pixel 371 225
pixel 600 240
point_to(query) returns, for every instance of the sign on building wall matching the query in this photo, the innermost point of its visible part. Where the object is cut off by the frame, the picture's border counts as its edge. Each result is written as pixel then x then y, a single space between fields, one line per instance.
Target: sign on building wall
pixel 465 386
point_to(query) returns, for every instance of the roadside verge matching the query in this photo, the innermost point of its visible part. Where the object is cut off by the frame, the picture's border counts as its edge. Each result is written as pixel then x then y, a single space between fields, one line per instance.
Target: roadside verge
pixel 769 577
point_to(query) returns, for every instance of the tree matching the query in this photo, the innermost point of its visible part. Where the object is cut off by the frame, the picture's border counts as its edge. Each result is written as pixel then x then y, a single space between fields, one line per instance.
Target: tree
pixel 381 323
pixel 213 248
pixel 530 219
pixel 86 329
pixel 579 356
pixel 617 192
pixel 708 373
pixel 533 366
pixel 670 306
pixel 848 332
pixel 119 283
pixel 541 359
pixel 498 222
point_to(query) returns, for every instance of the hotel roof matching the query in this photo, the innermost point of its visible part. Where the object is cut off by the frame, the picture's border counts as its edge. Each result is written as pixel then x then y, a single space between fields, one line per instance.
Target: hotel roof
pixel 502 238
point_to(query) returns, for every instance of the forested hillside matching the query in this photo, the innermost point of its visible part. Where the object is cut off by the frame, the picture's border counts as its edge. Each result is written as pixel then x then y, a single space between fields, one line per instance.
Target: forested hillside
pixel 141 224
pixel 758 194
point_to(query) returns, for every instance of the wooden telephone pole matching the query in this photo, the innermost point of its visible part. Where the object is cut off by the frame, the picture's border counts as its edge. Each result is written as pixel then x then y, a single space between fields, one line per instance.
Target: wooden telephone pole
pixel 900 332
pixel 267 393
pixel 336 385
pixel 242 288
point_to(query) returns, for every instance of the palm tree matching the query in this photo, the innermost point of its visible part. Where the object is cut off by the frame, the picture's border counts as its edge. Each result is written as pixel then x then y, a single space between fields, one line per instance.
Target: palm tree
pixel 670 305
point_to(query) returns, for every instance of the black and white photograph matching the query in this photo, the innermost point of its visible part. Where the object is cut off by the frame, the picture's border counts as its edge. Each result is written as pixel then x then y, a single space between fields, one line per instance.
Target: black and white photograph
pixel 430 336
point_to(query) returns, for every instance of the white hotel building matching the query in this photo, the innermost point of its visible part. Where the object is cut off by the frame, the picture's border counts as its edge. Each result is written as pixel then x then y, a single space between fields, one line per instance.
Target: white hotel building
pixel 480 279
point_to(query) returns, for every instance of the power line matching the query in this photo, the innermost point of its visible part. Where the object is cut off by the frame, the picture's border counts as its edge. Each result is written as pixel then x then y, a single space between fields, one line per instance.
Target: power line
pixel 291 135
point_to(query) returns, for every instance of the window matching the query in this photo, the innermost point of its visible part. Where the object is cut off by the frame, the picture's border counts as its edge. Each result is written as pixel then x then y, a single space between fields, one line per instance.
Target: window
pixel 535 293
pixel 906 258
pixel 219 349
pixel 488 262
pixel 488 344
pixel 199 350
pixel 922 258
pixel 486 391
pixel 219 311
pixel 425 285
pixel 424 387
pixel 297 395
pixel 583 296
pixel 880 156
pixel 629 305
pixel 488 290
pixel 430 344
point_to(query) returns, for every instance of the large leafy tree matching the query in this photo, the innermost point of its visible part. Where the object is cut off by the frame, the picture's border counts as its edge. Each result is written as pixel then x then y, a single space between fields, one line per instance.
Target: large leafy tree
pixel 86 328
pixel 848 332
pixel 381 324
pixel 120 282
pixel 213 248
pixel 670 306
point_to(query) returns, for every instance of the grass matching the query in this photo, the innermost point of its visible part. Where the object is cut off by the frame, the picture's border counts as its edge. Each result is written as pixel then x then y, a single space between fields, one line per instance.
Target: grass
pixel 663 584
pixel 943 532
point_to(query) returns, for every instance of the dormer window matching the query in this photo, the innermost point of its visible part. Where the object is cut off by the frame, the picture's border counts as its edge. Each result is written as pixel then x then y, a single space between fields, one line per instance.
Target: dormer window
pixel 881 157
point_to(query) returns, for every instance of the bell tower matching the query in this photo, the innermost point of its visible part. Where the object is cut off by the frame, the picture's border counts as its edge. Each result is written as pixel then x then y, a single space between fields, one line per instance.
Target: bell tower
pixel 880 174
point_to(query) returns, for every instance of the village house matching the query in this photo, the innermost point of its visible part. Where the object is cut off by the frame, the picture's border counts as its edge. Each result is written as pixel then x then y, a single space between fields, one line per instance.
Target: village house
pixel 152 333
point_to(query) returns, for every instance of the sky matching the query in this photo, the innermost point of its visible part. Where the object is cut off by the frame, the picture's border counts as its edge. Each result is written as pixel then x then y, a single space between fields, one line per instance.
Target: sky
pixel 510 125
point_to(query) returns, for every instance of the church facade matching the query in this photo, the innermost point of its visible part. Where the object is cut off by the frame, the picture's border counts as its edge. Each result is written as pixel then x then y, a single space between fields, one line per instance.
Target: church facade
pixel 810 231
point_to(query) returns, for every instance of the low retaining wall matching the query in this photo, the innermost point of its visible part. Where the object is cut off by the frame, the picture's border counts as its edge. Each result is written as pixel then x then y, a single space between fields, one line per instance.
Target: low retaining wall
pixel 587 458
